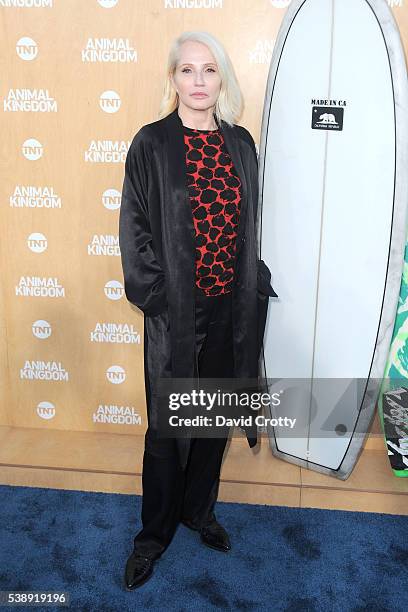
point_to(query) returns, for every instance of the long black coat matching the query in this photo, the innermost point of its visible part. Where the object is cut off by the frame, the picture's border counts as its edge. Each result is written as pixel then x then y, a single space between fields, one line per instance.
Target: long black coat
pixel 157 244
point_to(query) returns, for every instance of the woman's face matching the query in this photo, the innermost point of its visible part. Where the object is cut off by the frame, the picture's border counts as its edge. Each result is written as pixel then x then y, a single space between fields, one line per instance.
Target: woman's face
pixel 196 72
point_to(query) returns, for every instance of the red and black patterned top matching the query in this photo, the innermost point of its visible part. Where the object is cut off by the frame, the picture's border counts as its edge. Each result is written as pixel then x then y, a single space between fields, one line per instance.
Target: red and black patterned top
pixel 215 194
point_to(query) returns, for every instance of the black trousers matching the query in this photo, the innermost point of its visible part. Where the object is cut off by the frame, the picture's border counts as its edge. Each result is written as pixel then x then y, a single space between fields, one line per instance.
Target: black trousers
pixel 170 493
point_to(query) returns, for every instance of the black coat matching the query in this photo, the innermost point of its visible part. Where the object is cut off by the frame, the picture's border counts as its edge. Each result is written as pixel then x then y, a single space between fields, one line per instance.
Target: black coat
pixel 157 244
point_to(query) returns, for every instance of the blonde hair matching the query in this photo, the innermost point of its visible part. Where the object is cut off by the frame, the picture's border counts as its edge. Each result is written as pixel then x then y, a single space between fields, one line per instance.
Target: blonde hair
pixel 229 105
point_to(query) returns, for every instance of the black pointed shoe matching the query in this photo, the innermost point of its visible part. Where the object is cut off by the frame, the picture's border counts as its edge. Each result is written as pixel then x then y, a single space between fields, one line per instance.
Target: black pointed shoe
pixel 215 536
pixel 138 570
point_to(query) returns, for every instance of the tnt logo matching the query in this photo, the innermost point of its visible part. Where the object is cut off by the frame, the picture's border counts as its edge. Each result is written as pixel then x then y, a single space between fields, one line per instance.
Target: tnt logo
pixel 32 149
pixel 110 101
pixel 327 118
pixel 41 329
pixel 111 199
pixel 46 410
pixel 114 290
pixel 26 48
pixel 116 375
pixel 36 242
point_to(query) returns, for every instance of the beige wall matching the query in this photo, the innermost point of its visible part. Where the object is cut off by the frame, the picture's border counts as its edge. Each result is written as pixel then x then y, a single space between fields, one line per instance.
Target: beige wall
pixel 61 68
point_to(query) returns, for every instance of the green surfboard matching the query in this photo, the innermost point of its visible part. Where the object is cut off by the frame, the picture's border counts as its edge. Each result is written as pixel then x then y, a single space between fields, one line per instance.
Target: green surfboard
pixel 393 398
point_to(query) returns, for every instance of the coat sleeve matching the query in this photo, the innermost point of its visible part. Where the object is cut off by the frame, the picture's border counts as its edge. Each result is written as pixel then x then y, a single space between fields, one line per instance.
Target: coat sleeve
pixel 143 276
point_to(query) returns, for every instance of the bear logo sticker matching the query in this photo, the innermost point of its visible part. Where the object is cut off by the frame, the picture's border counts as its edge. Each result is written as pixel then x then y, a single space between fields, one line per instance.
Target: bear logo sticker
pixel 327 118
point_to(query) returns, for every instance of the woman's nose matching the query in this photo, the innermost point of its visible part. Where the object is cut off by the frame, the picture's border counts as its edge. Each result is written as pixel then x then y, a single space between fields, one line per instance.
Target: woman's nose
pixel 199 79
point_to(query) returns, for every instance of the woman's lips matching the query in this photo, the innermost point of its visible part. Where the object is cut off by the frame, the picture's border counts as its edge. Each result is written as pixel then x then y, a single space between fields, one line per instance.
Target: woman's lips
pixel 197 95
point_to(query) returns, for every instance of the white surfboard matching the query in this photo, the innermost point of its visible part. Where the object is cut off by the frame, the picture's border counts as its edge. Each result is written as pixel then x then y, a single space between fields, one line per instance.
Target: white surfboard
pixel 333 201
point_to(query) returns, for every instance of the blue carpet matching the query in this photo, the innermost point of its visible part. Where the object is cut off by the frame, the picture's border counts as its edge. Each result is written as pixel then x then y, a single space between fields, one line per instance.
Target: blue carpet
pixel 283 559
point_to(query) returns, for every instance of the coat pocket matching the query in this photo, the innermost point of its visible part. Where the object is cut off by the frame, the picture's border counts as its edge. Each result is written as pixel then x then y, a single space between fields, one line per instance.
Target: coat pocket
pixel 264 280
pixel 264 292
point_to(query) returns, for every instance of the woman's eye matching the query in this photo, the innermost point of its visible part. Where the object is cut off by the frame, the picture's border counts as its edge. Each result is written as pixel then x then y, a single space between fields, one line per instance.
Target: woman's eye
pixel 187 69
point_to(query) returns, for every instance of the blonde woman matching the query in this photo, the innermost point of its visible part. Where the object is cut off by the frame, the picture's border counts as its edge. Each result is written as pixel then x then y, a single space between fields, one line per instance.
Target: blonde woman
pixel 187 235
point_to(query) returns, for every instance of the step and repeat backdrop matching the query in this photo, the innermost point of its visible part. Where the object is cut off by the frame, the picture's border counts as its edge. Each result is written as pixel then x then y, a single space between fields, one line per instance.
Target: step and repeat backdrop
pixel 78 80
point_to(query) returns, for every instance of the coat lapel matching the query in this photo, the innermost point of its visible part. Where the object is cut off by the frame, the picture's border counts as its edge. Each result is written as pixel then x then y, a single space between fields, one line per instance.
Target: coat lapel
pixel 176 182
pixel 178 236
pixel 231 142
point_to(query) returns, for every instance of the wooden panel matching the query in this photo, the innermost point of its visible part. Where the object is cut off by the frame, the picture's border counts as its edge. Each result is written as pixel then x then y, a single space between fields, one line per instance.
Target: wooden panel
pixel 253 493
pixel 242 463
pixel 360 501
pixel 71 480
pixel 372 473
pixel 87 461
